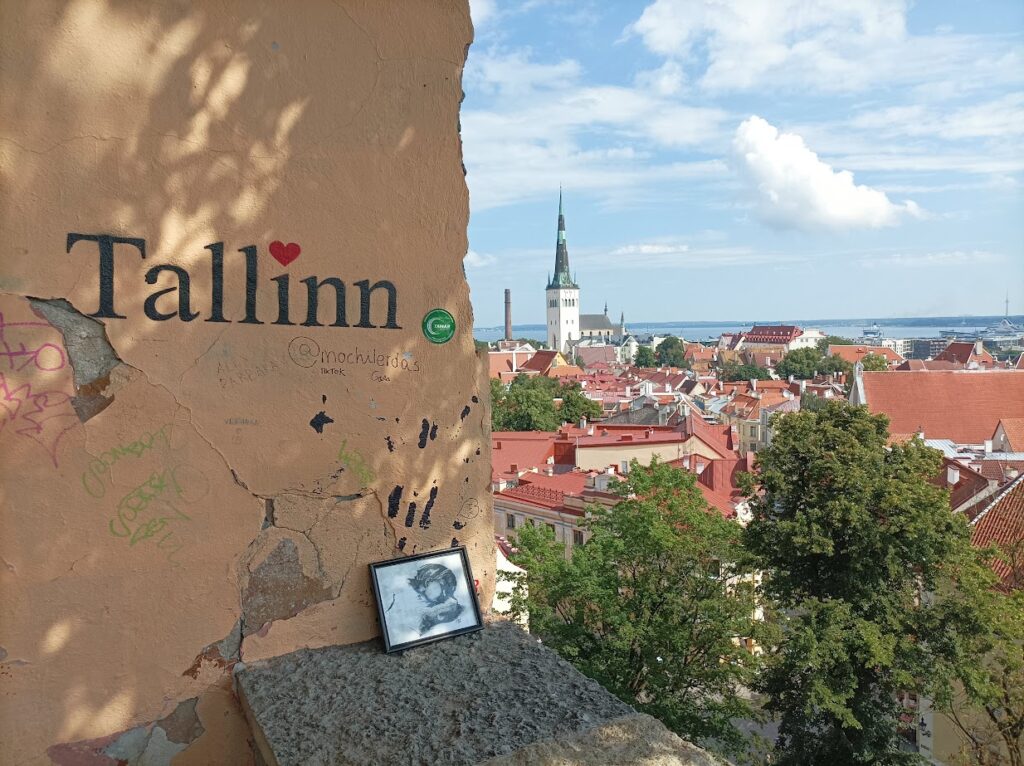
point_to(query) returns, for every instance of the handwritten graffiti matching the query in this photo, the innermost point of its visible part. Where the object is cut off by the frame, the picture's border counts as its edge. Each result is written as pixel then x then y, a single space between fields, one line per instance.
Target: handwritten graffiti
pixel 32 407
pixel 154 509
pixel 93 477
pixel 306 352
pixel 357 464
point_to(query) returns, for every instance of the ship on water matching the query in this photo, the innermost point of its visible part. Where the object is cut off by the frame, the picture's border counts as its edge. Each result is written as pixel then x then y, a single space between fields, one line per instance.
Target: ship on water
pixel 873 332
pixel 1002 334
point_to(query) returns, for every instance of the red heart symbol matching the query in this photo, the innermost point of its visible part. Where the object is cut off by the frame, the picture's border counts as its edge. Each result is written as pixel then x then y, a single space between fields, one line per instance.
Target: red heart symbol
pixel 284 254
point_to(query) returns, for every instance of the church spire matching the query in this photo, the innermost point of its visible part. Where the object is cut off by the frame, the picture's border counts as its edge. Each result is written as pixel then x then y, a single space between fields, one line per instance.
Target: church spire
pixel 562 278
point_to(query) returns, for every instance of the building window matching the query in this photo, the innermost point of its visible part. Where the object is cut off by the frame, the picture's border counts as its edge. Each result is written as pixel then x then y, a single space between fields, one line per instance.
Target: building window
pixel 552 528
pixel 510 521
pixel 577 537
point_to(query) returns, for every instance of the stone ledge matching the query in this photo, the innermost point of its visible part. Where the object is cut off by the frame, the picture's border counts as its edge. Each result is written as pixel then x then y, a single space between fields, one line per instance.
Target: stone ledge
pixel 468 700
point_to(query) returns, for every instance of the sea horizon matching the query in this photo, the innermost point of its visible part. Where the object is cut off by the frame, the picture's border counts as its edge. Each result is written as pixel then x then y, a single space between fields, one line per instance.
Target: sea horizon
pixel 852 328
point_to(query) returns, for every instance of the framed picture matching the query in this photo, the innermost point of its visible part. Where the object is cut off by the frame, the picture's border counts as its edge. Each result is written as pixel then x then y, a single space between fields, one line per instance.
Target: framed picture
pixel 424 598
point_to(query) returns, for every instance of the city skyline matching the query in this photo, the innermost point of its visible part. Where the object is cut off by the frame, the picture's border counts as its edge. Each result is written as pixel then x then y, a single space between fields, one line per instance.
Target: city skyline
pixel 715 147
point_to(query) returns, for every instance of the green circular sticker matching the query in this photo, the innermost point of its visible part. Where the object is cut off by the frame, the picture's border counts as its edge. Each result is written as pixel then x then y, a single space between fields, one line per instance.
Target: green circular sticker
pixel 438 326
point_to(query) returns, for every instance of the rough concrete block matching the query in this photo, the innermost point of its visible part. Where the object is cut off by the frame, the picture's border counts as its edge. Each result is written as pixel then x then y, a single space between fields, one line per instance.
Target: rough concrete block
pixel 636 740
pixel 461 701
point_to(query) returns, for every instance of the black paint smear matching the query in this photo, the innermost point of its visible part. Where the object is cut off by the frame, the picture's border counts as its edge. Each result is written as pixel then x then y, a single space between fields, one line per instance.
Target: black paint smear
pixel 477 450
pixel 455 542
pixel 458 524
pixel 391 444
pixel 323 398
pixel 320 420
pixel 415 493
pixel 393 500
pixel 410 517
pixel 424 433
pixel 397 420
pixel 393 595
pixel 465 413
pixel 401 544
pixel 465 460
pixel 433 432
pixel 425 518
pixel 466 480
pixel 476 400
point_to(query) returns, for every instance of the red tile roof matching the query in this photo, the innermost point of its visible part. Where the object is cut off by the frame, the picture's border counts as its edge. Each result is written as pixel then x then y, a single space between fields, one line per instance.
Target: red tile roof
pixel 928 364
pixel 964 353
pixel 541 361
pixel 1013 429
pixel 1002 524
pixel 854 354
pixel 523 449
pixel 962 406
pixel 772 333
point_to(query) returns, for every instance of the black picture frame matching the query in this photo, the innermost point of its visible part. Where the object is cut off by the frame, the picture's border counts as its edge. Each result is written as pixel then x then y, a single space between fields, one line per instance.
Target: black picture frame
pixel 430 591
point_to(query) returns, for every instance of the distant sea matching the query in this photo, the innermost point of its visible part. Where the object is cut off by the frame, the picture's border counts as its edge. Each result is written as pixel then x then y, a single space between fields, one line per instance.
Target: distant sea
pixel 900 327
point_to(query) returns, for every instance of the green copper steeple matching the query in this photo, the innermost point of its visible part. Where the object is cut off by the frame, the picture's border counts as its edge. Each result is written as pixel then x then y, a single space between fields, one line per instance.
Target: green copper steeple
pixel 562 278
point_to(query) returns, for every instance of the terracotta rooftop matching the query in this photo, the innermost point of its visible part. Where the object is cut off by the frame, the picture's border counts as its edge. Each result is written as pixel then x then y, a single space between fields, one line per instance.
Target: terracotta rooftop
pixel 1013 430
pixel 1002 524
pixel 962 406
pixel 854 354
pixel 965 352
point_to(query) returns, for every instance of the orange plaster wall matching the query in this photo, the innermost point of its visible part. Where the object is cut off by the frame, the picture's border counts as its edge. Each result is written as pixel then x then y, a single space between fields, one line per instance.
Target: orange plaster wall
pixel 200 503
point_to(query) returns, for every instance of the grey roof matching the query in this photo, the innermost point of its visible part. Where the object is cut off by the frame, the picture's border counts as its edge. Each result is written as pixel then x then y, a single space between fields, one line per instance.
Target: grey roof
pixel 597 322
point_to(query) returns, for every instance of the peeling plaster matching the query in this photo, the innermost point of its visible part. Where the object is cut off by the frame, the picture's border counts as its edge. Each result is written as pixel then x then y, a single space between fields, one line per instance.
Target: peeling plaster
pixel 175 511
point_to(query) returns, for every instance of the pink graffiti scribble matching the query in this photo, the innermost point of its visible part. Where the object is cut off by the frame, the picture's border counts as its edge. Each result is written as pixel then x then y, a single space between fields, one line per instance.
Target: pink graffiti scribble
pixel 43 414
pixel 46 357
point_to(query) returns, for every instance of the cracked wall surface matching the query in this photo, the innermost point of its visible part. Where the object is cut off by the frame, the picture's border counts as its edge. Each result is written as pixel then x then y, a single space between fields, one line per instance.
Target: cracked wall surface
pixel 224 226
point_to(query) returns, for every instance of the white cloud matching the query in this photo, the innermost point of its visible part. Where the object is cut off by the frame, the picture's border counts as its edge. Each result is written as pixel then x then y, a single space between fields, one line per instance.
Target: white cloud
pixel 794 189
pixel 650 249
pixel 666 80
pixel 482 11
pixel 929 260
pixel 475 260
pixel 829 45
pixel 545 126
pixel 996 118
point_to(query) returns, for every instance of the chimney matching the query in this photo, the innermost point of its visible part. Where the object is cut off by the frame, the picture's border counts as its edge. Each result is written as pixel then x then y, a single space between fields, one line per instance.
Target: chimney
pixel 686 462
pixel 583 422
pixel 803 387
pixel 626 438
pixel 497 445
pixel 952 475
pixel 792 378
pixel 979 347
pixel 988 446
pixel 508 314
pixel 753 384
pixel 514 468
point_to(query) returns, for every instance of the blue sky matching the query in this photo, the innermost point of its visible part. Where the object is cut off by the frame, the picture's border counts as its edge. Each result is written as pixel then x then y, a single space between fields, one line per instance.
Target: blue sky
pixel 748 159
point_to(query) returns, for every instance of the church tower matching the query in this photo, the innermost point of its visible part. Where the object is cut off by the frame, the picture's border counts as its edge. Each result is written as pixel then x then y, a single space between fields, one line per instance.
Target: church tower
pixel 563 295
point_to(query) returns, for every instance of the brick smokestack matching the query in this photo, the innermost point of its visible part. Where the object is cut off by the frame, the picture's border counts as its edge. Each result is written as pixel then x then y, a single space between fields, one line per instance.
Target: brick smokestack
pixel 508 314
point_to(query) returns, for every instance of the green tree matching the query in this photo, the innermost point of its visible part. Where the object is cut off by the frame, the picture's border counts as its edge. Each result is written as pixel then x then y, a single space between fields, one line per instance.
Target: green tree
pixel 874 362
pixel 801 364
pixel 481 345
pixel 849 532
pixel 527 405
pixel 732 371
pixel 832 340
pixel 576 404
pixel 805 362
pixel 983 695
pixel 670 353
pixel 651 606
pixel 645 357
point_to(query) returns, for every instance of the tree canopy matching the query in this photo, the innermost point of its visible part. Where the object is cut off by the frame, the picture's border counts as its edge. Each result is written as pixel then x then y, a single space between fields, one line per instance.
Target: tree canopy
pixel 731 371
pixel 528 404
pixel 804 363
pixel 651 606
pixel 849 533
pixel 645 357
pixel 874 363
pixel 671 353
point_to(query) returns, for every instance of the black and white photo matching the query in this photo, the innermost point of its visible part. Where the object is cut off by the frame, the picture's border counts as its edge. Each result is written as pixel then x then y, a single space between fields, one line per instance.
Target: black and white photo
pixel 425 597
